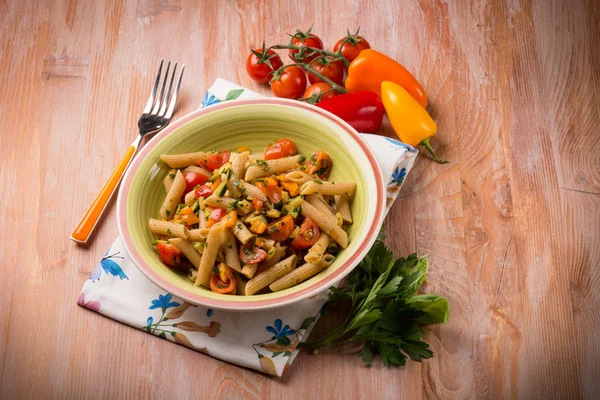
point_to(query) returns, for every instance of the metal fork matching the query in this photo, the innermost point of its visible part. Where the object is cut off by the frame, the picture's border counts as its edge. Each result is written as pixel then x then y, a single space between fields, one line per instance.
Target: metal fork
pixel 159 110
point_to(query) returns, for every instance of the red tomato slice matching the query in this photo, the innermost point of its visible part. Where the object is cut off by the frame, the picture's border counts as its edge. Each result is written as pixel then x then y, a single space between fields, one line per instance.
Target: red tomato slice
pixel 279 149
pixel 281 229
pixel 307 236
pixel 320 164
pixel 270 188
pixel 214 161
pixel 216 214
pixel 193 179
pixel 223 281
pixel 257 204
pixel 203 191
pixel 169 254
pixel 251 254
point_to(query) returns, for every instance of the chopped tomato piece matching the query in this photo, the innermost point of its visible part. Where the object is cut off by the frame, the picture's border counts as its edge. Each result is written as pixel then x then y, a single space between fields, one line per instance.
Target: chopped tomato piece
pixel 169 254
pixel 257 204
pixel 188 216
pixel 251 254
pixel 269 187
pixel 203 191
pixel 320 164
pixel 214 160
pixel 292 188
pixel 216 214
pixel 281 229
pixel 223 281
pixel 193 179
pixel 279 149
pixel 230 219
pixel 307 236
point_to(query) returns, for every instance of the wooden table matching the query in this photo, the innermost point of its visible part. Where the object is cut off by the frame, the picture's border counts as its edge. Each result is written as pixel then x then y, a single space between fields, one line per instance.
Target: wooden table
pixel 511 225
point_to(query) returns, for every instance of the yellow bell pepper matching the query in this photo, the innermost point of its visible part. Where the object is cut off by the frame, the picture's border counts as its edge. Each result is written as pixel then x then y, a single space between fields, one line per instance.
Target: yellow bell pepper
pixel 410 120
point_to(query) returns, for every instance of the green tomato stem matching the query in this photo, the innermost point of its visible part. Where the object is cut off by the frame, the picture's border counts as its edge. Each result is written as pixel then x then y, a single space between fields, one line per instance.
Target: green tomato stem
pixel 310 69
pixel 337 54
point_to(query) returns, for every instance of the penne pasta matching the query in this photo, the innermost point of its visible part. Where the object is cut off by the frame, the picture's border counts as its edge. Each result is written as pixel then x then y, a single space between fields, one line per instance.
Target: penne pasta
pixel 164 228
pixel 267 277
pixel 342 205
pixel 167 210
pixel 324 187
pixel 241 232
pixel 238 165
pixel 251 190
pixel 298 177
pixel 240 287
pixel 190 198
pixel 209 255
pixel 226 203
pixel 297 276
pixel 326 223
pixel 274 259
pixel 316 251
pixel 198 170
pixel 168 181
pixel 252 158
pixel 192 274
pixel 198 235
pixel 181 160
pixel 232 259
pixel 318 201
pixel 249 270
pixel 188 251
pixel 262 168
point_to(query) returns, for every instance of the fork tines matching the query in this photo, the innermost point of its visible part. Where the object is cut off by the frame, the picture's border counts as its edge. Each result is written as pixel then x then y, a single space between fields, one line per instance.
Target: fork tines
pixel 157 105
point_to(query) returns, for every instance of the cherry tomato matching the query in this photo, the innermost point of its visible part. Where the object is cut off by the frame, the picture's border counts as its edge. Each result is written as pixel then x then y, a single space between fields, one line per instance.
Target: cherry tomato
pixel 352 48
pixel 332 70
pixel 251 254
pixel 169 254
pixel 213 160
pixel 320 164
pixel 307 236
pixel 281 229
pixel 270 188
pixel 262 72
pixel 193 179
pixel 203 191
pixel 290 84
pixel 279 149
pixel 216 214
pixel 223 281
pixel 257 204
pixel 317 88
pixel 308 40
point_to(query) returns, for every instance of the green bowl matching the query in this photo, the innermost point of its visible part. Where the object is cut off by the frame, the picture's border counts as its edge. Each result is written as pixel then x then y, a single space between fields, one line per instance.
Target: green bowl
pixel 253 123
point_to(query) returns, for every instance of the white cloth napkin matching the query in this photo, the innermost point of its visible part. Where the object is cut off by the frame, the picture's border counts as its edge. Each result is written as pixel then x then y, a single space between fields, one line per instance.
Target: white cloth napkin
pixel 265 340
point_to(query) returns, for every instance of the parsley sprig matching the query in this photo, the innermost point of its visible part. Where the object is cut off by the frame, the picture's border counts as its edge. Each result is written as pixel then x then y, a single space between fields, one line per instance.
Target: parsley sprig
pixel 386 313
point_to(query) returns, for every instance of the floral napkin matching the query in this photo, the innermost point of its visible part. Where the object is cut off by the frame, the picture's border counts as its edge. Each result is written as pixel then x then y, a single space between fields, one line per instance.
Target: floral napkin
pixel 264 340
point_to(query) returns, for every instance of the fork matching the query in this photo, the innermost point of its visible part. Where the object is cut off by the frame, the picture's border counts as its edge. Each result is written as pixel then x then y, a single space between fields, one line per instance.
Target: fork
pixel 156 115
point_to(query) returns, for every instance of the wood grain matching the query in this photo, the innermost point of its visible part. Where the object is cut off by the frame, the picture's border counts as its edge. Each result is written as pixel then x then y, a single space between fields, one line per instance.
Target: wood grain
pixel 511 224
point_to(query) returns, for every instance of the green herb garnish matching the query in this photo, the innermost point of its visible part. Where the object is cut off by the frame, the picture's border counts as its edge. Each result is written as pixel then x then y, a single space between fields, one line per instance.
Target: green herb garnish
pixel 301 159
pixel 385 311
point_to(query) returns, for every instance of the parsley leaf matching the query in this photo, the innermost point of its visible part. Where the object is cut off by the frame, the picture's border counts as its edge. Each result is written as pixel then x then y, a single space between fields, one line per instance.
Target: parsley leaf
pixel 385 312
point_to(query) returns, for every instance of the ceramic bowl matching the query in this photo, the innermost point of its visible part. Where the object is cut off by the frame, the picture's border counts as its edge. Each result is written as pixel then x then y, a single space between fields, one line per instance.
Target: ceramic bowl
pixel 253 123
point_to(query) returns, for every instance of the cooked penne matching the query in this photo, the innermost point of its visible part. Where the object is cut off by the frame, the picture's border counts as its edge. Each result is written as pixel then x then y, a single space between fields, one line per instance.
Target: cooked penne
pixel 209 255
pixel 182 160
pixel 249 270
pixel 328 259
pixel 198 235
pixel 198 170
pixel 316 251
pixel 226 203
pixel 252 158
pixel 251 190
pixel 318 201
pixel 266 277
pixel 274 259
pixel 190 198
pixel 188 251
pixel 297 276
pixel 238 165
pixel 168 181
pixel 342 205
pixel 240 288
pixel 324 187
pixel 326 224
pixel 165 228
pixel 298 177
pixel 263 168
pixel 241 232
pixel 192 274
pixel 232 258
pixel 173 195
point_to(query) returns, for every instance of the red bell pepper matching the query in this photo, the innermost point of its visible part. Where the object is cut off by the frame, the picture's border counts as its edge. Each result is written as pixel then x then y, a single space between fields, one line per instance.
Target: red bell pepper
pixel 362 110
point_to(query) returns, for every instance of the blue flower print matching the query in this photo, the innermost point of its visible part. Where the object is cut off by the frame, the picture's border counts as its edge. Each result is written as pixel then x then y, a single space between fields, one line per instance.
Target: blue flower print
pixel 209 312
pixel 209 100
pixel 399 143
pixel 280 331
pixel 109 266
pixel 398 176
pixel 163 302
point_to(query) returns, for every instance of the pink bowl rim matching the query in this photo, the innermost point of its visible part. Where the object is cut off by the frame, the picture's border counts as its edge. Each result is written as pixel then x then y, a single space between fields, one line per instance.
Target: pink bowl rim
pixel 307 292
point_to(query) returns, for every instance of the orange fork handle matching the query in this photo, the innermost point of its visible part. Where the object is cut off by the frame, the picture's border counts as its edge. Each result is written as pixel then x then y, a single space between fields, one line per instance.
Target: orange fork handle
pixel 85 227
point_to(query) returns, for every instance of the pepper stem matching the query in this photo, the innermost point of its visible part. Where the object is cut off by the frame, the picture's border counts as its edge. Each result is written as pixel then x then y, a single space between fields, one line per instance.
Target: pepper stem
pixel 425 142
